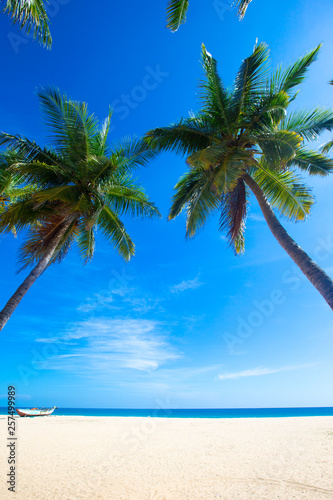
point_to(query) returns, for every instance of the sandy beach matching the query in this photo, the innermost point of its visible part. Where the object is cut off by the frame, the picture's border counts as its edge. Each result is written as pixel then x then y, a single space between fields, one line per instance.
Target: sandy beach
pixel 171 459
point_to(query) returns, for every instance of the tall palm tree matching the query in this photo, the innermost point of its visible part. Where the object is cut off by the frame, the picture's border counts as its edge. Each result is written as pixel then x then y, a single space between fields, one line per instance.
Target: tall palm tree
pixel 80 184
pixel 244 141
pixel 30 15
pixel 177 10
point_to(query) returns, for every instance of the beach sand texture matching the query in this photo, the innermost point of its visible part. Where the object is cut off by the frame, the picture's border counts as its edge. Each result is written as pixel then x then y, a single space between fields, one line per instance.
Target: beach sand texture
pixel 171 459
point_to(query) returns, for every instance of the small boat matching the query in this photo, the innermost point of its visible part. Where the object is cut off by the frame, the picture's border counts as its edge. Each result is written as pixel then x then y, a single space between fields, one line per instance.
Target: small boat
pixel 35 412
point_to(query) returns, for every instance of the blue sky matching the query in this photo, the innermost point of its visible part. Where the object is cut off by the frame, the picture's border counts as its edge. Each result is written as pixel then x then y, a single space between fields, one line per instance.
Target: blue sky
pixel 186 324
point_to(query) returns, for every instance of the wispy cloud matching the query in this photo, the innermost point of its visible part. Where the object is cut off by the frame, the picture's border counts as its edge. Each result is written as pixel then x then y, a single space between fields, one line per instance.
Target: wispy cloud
pixel 119 297
pixel 256 217
pixel 112 344
pixel 99 300
pixel 186 285
pixel 260 371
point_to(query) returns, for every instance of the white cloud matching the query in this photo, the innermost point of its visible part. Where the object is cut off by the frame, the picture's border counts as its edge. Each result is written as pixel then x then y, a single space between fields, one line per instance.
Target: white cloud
pixel 99 300
pixel 118 298
pixel 186 285
pixel 256 217
pixel 112 344
pixel 258 372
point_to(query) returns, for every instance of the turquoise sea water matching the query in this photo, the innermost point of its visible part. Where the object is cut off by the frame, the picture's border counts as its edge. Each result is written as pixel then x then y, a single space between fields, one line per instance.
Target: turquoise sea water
pixel 193 413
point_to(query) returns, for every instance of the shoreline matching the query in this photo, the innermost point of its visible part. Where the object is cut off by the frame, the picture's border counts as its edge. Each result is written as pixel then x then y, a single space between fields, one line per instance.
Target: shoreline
pixel 170 418
pixel 219 413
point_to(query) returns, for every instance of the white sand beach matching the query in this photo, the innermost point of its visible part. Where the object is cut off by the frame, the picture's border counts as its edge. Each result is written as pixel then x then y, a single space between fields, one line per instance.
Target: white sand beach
pixel 171 459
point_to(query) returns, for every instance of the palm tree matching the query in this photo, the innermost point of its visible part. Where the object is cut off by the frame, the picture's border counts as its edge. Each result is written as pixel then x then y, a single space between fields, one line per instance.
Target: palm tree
pixel 177 10
pixel 30 15
pixel 242 140
pixel 80 184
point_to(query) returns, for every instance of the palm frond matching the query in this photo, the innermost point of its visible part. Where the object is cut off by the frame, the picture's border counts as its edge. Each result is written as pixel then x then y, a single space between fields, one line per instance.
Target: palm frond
pixel 231 169
pixel 250 81
pixel 132 153
pixel 233 215
pixel 279 147
pixel 309 124
pixel 40 174
pixel 312 162
pixel 28 151
pixel 30 15
pixel 102 136
pixel 69 195
pixel 39 238
pixel 114 231
pixel 267 111
pixel 183 138
pixel 295 73
pixel 126 197
pixel 193 192
pixel 215 97
pixel 285 191
pixel 73 129
pixel 326 148
pixel 176 13
pixel 18 215
pixel 86 242
pixel 242 7
pixel 208 157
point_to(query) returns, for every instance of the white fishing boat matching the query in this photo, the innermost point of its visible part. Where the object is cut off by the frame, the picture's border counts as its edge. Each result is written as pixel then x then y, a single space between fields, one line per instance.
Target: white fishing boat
pixel 35 412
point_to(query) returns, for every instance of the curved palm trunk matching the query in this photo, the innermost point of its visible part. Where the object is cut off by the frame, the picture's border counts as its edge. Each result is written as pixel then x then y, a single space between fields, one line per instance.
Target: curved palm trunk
pixel 37 271
pixel 312 271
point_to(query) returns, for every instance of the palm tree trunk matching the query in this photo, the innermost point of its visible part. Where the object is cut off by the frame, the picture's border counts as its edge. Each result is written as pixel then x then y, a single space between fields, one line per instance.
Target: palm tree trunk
pixel 37 271
pixel 311 270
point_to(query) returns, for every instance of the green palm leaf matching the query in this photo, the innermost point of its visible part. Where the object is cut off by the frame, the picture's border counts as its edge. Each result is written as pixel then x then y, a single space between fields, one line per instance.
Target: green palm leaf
pixel 279 147
pixel 326 148
pixel 176 13
pixel 250 80
pixel 73 129
pixel 242 7
pixel 312 162
pixel 30 15
pixel 233 215
pixel 183 138
pixel 177 10
pixel 126 197
pixel 193 192
pixel 215 97
pixel 295 73
pixel 285 191
pixel 86 242
pixel 309 124
pixel 28 150
pixel 114 230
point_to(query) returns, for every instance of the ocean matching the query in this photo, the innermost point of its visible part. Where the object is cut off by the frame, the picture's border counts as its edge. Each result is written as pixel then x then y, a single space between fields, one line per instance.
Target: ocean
pixel 193 413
